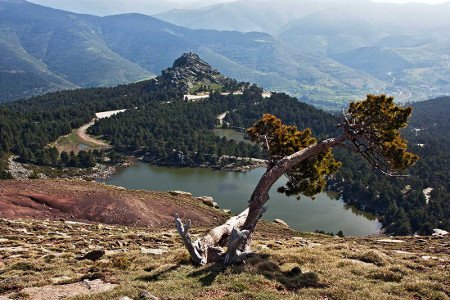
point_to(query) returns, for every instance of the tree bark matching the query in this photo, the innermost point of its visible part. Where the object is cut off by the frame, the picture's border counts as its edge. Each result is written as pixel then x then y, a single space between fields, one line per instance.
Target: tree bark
pixel 237 231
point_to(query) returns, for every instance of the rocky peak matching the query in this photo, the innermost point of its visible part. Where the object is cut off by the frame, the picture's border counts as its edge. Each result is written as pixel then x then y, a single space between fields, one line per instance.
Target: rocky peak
pixel 190 71
pixel 189 59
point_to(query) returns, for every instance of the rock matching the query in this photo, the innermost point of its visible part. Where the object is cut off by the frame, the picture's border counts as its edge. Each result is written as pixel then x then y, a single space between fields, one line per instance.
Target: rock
pixel 427 257
pixel 209 201
pixel 227 211
pixel 153 251
pixel 147 295
pixel 264 247
pixel 18 249
pixel 189 70
pixel 125 298
pixel 93 255
pixel 295 271
pixel 180 193
pixel 281 222
pixel 388 241
pixel 403 252
pixel 76 223
pixel 115 252
pixel 59 280
pixel 439 232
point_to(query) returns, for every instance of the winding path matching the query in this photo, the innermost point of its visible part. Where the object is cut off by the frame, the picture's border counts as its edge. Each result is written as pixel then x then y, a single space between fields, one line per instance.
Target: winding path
pixel 82 131
pixel 83 136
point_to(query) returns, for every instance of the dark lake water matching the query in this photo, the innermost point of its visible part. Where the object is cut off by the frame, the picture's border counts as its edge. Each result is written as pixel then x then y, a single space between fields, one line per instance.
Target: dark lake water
pixel 232 190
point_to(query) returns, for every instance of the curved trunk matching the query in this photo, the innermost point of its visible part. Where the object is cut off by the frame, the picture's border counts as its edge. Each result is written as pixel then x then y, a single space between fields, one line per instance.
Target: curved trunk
pixel 261 193
pixel 237 231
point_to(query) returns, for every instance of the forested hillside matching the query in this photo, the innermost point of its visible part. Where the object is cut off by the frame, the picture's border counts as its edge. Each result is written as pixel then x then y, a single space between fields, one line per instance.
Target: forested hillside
pixel 45 50
pixel 161 126
pixel 408 54
pixel 401 201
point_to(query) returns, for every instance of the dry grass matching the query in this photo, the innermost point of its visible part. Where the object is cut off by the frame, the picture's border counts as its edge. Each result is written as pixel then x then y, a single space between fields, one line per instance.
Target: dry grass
pixel 307 266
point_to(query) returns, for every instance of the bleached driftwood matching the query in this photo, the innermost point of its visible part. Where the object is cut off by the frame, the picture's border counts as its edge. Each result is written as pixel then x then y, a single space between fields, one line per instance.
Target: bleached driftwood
pixel 208 248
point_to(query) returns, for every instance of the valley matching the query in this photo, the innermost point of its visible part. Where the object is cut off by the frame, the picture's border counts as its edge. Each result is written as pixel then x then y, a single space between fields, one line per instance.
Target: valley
pixel 298 57
pixel 224 149
pixel 162 129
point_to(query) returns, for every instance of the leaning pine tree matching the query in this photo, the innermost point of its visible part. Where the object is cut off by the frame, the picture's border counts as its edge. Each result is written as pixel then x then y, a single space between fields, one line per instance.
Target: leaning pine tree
pixel 370 128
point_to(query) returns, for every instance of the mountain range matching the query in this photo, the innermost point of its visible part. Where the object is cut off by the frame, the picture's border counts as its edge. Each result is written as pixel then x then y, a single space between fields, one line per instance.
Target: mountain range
pixel 326 57
pixel 108 7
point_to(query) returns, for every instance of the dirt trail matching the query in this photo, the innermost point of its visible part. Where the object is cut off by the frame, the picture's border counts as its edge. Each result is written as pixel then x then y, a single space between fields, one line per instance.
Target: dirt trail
pixel 82 134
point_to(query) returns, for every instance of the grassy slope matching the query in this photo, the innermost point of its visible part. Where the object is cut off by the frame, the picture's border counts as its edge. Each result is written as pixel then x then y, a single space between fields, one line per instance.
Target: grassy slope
pixel 331 268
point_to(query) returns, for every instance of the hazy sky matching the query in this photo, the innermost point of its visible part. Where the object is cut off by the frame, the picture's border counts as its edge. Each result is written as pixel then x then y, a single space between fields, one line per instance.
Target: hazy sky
pixel 406 1
pixel 390 1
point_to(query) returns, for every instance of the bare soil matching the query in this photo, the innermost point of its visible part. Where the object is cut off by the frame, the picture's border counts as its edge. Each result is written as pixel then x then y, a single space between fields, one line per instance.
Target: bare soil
pixel 89 201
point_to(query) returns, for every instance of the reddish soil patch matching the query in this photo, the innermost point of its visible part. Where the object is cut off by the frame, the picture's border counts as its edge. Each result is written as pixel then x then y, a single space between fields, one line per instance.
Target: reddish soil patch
pixel 89 201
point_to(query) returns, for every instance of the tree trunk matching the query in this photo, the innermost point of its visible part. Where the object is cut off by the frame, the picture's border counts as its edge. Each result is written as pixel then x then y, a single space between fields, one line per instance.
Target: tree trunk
pixel 237 231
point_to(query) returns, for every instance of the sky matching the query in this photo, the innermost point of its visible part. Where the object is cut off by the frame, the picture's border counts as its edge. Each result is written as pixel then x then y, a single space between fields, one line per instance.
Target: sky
pixel 408 1
pixel 389 1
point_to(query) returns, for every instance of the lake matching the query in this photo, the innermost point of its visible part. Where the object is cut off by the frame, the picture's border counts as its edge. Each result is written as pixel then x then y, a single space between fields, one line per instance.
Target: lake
pixel 232 190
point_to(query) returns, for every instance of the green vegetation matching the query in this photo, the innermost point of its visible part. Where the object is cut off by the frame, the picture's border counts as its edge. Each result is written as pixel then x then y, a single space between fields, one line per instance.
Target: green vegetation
pixel 203 88
pixel 401 212
pixel 179 134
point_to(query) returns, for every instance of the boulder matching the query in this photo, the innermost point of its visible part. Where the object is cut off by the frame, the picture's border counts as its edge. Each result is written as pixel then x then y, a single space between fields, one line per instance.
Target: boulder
pixel 439 232
pixel 180 193
pixel 209 201
pixel 389 241
pixel 93 255
pixel 281 222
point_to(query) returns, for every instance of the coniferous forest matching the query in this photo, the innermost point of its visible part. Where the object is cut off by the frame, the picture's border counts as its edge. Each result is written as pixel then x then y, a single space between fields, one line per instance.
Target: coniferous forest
pixel 164 129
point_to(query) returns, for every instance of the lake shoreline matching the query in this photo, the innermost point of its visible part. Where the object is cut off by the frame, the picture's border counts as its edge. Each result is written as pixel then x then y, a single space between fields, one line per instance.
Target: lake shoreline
pixel 232 190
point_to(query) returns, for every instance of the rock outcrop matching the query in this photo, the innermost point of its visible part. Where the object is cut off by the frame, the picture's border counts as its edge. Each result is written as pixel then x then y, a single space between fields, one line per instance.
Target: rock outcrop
pixel 189 70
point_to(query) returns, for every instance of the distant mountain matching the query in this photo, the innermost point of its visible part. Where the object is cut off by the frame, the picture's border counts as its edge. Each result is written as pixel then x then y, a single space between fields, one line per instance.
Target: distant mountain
pixel 273 15
pixel 82 51
pixel 255 57
pixel 108 7
pixel 404 46
pixel 242 15
pixel 44 49
pixel 327 57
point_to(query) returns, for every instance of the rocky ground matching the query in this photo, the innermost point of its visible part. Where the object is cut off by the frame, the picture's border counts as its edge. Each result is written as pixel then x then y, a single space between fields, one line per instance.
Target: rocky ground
pixel 46 260
pixel 54 244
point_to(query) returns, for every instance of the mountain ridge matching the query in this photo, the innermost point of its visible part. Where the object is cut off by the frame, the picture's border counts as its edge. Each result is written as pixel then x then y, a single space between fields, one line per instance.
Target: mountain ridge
pixel 92 51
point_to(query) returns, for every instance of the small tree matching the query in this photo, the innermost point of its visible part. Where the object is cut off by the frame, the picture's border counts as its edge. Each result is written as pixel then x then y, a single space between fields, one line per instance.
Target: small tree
pixel 370 128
